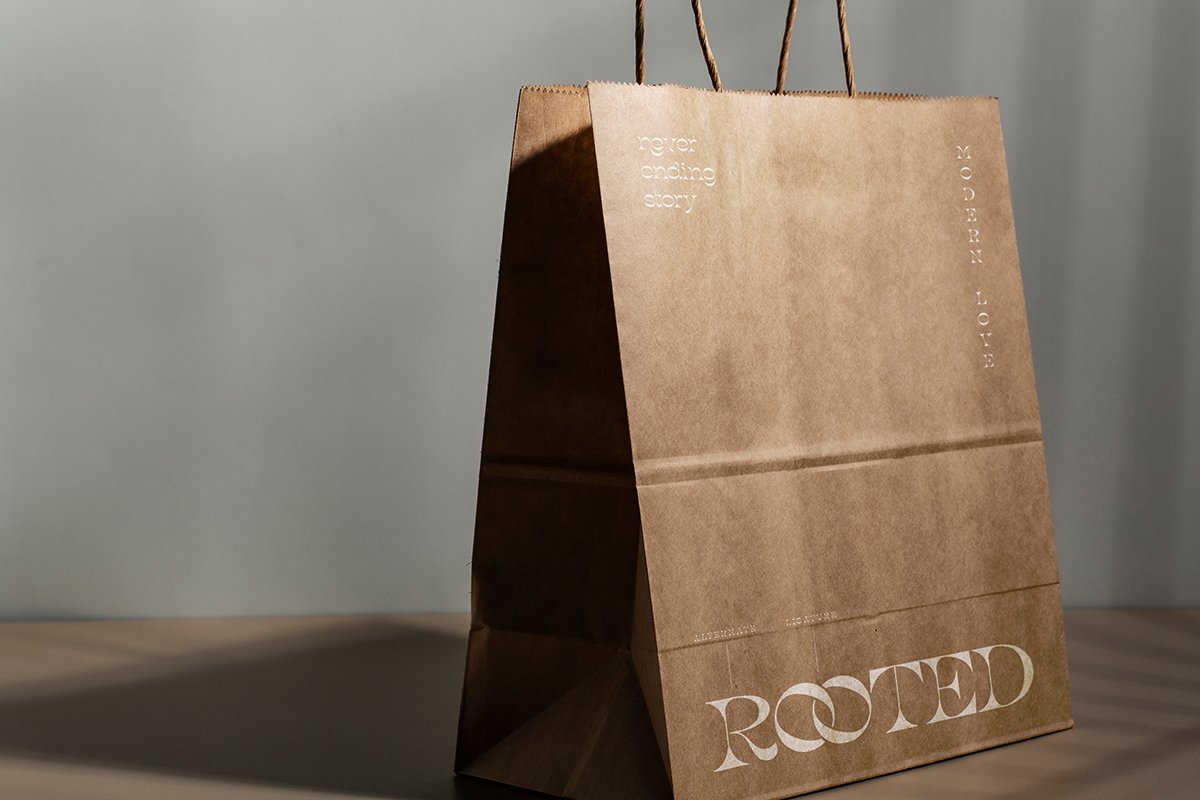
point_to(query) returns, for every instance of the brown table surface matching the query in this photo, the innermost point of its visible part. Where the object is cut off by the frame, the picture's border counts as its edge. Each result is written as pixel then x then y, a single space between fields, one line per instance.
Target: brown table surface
pixel 338 707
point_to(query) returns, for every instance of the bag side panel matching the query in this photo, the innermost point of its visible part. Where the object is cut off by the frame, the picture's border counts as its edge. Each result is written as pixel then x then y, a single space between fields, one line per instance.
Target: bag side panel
pixel 557 525
pixel 555 396
pixel 556 522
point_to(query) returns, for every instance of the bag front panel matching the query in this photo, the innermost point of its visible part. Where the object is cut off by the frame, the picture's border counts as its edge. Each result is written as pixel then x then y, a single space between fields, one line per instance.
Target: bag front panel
pixel 834 429
pixel 809 277
pixel 813 706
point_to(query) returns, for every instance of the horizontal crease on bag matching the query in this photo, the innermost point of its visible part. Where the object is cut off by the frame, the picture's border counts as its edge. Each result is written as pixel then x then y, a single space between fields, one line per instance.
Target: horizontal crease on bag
pixel 482 625
pixel 515 469
pixel 869 615
pixel 679 469
pixel 659 471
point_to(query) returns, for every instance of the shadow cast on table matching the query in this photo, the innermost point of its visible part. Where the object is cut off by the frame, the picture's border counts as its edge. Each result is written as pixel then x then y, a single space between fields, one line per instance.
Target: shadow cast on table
pixel 370 709
pixel 1135 690
pixel 372 712
pixel 1139 682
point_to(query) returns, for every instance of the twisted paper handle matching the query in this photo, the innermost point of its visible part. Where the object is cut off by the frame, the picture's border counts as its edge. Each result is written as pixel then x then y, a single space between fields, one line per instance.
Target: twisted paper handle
pixel 710 60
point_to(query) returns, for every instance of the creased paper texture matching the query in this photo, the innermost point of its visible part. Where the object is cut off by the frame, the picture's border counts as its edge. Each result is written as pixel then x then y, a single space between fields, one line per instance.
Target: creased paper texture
pixel 763 503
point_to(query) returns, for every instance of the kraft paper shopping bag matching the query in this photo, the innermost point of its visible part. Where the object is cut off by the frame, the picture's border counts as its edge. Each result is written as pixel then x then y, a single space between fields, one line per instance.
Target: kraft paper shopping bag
pixel 762 504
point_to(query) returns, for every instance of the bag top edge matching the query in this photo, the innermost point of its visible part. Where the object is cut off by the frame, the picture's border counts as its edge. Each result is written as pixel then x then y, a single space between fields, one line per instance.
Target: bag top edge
pixel 573 88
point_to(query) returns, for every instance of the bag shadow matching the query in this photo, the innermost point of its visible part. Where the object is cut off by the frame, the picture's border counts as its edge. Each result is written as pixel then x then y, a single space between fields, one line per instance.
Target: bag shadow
pixel 369 708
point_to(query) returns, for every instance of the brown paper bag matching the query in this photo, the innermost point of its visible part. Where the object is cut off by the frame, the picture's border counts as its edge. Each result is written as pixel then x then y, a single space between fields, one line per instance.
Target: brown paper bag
pixel 762 505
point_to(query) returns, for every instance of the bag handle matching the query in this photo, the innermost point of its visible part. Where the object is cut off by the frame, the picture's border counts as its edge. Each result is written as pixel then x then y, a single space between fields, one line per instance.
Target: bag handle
pixel 710 60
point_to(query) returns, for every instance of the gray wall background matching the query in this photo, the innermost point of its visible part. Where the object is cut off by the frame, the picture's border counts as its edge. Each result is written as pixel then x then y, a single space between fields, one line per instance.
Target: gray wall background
pixel 248 258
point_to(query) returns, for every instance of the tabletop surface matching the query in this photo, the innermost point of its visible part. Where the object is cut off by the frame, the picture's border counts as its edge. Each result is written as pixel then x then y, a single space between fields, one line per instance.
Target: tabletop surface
pixel 354 706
